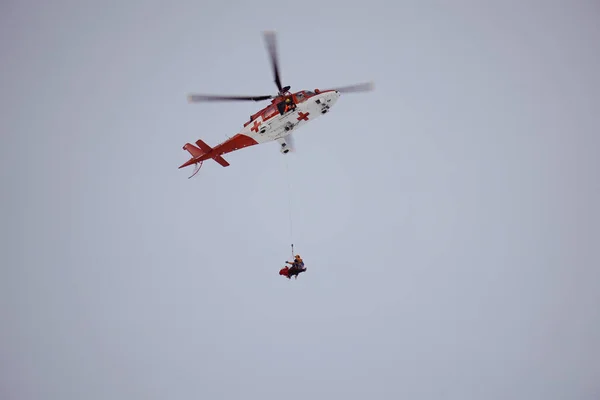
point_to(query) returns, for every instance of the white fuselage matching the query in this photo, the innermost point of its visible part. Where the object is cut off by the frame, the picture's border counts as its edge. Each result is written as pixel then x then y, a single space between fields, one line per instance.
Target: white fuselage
pixel 279 126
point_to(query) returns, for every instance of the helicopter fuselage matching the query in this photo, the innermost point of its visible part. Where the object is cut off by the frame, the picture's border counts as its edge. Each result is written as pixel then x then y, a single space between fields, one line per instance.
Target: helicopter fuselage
pixel 269 124
pixel 276 122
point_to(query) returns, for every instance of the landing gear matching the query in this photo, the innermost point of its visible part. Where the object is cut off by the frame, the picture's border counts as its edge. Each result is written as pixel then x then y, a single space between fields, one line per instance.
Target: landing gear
pixel 284 148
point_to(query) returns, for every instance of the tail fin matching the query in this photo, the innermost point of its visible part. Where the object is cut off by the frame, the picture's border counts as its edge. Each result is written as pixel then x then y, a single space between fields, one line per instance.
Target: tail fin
pixel 193 150
pixel 201 153
pixel 207 149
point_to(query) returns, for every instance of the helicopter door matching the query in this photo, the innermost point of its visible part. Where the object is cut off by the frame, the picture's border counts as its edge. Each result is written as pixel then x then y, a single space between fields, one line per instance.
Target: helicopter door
pixel 285 105
pixel 281 107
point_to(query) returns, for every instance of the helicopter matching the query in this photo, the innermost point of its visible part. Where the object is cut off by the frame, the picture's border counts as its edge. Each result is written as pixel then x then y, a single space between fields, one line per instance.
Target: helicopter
pixel 276 122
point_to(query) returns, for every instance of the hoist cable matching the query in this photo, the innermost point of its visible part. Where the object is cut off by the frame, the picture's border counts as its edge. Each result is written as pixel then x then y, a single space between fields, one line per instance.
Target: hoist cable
pixel 290 205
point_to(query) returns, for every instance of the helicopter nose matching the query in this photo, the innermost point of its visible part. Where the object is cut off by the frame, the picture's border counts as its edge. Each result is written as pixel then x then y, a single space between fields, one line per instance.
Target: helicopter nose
pixel 333 97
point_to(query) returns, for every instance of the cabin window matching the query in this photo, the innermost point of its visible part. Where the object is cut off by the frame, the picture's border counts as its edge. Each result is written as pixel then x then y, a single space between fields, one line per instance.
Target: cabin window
pixel 269 112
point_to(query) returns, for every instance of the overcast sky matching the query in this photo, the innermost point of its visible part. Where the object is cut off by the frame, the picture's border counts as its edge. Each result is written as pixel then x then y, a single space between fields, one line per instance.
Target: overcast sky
pixel 449 219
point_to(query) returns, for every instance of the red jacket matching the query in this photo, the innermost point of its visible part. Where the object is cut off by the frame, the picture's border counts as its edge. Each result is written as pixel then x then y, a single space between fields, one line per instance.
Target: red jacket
pixel 284 271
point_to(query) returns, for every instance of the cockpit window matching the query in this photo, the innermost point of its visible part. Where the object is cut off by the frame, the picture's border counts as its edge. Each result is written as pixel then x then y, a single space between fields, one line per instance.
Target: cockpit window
pixel 309 93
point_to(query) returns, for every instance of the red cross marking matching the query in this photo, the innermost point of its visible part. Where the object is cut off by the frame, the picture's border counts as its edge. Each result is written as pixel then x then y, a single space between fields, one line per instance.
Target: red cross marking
pixel 303 116
pixel 255 127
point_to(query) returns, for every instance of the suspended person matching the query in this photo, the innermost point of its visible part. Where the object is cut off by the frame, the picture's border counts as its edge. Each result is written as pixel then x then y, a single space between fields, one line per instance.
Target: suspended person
pixel 285 271
pixel 297 266
pixel 298 262
pixel 289 272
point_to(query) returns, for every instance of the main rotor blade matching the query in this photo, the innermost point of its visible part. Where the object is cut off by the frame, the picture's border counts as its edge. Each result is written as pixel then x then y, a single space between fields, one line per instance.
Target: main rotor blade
pixel 196 98
pixel 361 87
pixel 271 42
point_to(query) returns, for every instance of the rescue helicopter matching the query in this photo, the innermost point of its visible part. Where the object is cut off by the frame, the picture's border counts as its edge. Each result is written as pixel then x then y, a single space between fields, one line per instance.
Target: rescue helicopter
pixel 287 112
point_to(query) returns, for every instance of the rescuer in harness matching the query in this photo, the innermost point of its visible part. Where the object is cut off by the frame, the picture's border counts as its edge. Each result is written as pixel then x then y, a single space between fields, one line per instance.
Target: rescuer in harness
pixel 297 267
pixel 286 105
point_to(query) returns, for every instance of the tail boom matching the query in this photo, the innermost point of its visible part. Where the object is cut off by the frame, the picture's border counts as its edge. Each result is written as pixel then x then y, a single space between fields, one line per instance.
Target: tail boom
pixel 204 152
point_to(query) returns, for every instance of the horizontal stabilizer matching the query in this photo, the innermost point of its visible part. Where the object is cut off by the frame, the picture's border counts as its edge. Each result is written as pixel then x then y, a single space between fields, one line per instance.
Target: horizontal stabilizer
pixel 205 148
pixel 203 152
pixel 221 161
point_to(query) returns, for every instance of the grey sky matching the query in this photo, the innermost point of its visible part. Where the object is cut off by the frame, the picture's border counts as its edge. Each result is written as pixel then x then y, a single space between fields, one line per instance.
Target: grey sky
pixel 448 219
